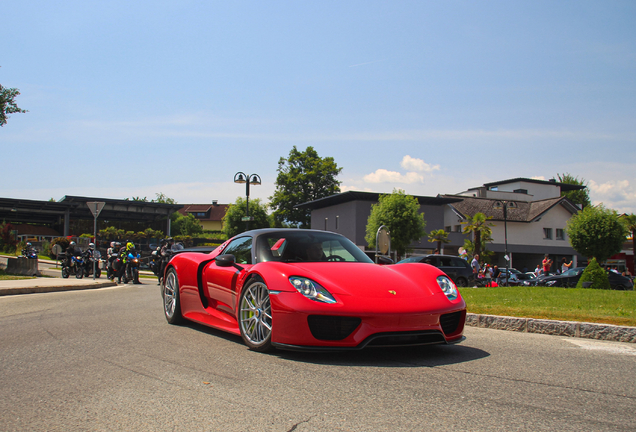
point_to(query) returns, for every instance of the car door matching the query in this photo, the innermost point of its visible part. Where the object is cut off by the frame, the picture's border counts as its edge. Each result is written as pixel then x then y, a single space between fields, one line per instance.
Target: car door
pixel 221 282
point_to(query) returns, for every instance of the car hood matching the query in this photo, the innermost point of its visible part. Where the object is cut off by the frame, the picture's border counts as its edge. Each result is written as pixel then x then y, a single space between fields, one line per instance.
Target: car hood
pixel 371 280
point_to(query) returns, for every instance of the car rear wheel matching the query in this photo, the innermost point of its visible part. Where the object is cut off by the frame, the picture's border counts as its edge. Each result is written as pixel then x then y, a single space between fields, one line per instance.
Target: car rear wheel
pixel 461 282
pixel 171 299
pixel 255 316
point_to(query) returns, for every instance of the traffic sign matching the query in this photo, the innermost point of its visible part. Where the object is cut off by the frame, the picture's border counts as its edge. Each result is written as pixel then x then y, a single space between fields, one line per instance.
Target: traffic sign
pixel 96 207
pixel 247 218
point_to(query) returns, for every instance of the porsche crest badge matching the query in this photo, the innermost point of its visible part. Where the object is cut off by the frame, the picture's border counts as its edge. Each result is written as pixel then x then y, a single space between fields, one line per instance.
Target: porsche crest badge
pixel 392 292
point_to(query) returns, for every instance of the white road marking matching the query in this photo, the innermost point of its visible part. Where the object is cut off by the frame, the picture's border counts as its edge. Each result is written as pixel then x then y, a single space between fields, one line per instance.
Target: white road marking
pixel 611 347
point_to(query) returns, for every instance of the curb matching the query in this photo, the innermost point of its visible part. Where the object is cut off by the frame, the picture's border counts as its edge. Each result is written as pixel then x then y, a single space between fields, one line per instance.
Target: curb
pixel 54 288
pixel 607 332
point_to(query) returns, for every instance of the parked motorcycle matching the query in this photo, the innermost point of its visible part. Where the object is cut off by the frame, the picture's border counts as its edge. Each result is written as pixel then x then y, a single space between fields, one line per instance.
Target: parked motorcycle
pixel 76 267
pixel 92 260
pixel 30 252
pixel 131 270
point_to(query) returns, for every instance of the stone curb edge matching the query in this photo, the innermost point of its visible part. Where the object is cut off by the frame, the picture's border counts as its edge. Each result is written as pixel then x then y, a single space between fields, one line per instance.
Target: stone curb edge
pixel 45 289
pixel 607 332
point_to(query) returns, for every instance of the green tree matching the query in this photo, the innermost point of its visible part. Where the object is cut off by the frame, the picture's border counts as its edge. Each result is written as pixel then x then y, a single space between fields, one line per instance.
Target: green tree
pixel 163 199
pixel 438 236
pixel 596 232
pixel 8 104
pixel 629 222
pixel 594 273
pixel 581 196
pixel 400 213
pixel 232 223
pixel 302 177
pixel 481 231
pixel 186 225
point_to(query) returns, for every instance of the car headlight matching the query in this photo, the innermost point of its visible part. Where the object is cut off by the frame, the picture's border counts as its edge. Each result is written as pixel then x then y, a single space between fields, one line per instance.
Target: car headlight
pixel 311 289
pixel 448 287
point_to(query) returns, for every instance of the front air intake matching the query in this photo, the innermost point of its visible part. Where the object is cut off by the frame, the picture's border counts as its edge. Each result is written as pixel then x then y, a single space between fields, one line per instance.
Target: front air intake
pixel 324 327
pixel 450 322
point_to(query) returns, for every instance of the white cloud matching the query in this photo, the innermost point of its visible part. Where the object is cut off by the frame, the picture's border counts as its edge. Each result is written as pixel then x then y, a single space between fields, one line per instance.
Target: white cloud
pixel 414 164
pixel 615 194
pixel 385 176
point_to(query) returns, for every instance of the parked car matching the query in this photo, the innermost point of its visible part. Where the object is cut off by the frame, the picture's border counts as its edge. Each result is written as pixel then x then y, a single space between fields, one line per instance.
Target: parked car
pixel 516 278
pixel 571 277
pixel 455 267
pixel 310 290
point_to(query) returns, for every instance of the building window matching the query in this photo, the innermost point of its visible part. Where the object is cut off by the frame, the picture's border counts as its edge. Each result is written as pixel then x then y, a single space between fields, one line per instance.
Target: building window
pixel 547 233
pixel 447 228
pixel 560 234
pixel 458 228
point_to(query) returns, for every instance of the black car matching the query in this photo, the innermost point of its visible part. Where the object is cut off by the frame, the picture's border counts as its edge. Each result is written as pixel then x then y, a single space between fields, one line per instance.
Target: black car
pixel 571 277
pixel 455 267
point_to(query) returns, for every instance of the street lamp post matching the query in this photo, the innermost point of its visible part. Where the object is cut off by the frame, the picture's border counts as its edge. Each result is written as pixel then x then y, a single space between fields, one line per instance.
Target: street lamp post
pixel 505 205
pixel 254 179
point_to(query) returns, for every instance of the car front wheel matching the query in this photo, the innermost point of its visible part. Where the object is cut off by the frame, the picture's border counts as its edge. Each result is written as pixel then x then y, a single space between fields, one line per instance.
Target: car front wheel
pixel 255 316
pixel 171 299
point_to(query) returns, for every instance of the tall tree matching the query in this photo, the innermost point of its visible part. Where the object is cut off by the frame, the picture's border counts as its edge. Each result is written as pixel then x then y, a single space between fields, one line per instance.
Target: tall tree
pixel 233 223
pixel 438 236
pixel 481 230
pixel 186 225
pixel 581 196
pixel 302 177
pixel 8 104
pixel 629 222
pixel 401 214
pixel 596 232
pixel 163 199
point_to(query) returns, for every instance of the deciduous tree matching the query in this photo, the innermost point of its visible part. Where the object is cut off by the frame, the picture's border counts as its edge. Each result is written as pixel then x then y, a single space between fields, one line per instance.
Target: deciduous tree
pixel 302 177
pixel 233 223
pixel 581 196
pixel 8 104
pixel 596 232
pixel 400 213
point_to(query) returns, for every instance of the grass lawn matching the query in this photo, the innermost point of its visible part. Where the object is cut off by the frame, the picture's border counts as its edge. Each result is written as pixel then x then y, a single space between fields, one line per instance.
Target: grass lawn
pixel 4 276
pixel 568 304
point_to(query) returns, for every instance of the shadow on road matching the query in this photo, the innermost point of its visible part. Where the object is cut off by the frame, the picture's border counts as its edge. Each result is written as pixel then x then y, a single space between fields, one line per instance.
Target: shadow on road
pixel 419 356
pixel 416 356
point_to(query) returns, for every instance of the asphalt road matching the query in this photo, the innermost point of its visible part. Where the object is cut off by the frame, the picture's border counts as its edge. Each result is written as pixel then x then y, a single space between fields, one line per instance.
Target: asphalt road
pixel 107 360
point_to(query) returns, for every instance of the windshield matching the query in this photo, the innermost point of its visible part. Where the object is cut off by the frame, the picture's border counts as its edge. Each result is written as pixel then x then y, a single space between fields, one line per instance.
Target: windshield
pixel 572 272
pixel 307 246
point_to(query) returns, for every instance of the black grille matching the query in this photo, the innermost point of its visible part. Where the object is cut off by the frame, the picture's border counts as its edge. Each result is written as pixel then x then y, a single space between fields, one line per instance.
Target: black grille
pixel 450 322
pixel 405 339
pixel 325 327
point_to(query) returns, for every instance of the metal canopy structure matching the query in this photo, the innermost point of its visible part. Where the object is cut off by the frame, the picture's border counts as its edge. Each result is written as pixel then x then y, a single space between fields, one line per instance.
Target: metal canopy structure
pixel 74 207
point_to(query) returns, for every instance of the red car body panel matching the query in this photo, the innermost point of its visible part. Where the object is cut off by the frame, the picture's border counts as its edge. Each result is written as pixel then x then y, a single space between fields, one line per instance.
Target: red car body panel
pixel 400 298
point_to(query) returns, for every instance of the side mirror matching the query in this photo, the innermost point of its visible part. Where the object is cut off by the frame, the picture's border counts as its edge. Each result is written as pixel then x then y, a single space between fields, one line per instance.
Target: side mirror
pixel 384 260
pixel 225 260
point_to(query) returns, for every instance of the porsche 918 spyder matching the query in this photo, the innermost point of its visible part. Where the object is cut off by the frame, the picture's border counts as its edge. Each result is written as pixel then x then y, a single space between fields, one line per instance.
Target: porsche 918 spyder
pixel 311 290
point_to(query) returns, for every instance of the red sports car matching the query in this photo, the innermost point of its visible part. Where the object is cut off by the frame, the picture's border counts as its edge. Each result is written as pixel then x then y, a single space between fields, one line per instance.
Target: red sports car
pixel 311 290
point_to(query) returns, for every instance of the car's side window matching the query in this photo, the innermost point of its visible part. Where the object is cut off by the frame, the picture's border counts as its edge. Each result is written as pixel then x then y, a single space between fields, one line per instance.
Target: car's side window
pixel 458 262
pixel 446 261
pixel 241 248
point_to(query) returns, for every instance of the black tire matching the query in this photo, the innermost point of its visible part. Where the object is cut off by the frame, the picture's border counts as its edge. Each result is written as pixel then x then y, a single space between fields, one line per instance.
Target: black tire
pixel 79 273
pixel 65 272
pixel 255 316
pixel 135 276
pixel 171 298
pixel 98 272
pixel 461 282
pixel 619 288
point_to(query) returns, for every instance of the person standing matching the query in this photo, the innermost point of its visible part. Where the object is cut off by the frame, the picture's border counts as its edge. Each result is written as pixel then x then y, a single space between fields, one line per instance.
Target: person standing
pixel 474 264
pixel 565 266
pixel 547 263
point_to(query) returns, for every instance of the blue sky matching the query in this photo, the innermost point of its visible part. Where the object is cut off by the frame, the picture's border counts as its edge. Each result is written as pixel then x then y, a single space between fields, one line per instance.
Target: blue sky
pixel 135 98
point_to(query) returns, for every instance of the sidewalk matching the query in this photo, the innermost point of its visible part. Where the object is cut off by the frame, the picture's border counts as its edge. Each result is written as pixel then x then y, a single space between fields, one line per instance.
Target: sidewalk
pixel 51 284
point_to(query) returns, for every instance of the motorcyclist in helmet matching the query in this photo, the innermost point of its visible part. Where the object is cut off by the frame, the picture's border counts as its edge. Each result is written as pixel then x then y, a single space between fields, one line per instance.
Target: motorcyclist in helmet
pixel 166 254
pixel 70 252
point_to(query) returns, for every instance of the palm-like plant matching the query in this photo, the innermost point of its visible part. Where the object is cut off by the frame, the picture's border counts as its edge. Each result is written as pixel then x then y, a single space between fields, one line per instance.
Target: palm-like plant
pixel 440 236
pixel 480 228
pixel 629 220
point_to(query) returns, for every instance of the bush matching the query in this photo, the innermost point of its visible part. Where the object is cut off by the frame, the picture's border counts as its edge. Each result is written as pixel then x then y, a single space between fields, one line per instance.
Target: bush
pixel 594 273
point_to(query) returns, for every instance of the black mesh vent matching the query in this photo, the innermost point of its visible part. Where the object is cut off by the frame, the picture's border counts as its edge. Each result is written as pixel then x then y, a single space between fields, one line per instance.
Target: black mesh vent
pixel 332 327
pixel 405 339
pixel 450 322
